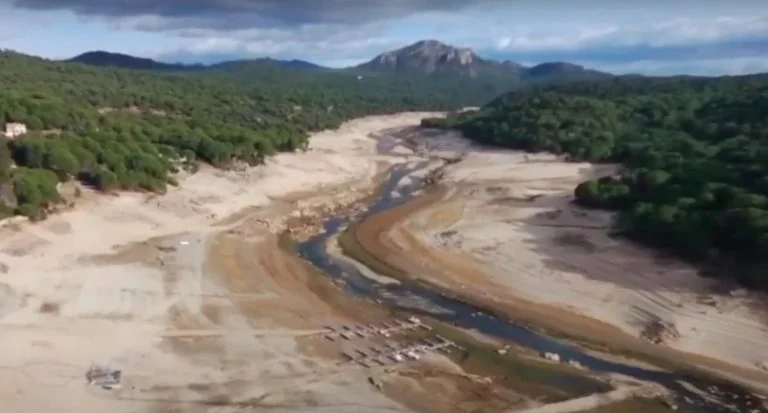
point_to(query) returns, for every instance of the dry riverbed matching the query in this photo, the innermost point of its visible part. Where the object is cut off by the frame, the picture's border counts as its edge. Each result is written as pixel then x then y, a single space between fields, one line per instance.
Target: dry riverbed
pixel 505 234
pixel 196 298
pixel 191 296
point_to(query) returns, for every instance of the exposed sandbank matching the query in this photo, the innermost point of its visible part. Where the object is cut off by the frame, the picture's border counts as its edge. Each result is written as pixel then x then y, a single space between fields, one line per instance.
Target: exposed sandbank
pixel 507 232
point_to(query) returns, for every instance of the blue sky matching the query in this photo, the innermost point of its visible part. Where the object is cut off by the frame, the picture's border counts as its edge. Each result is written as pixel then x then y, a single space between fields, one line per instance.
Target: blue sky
pixel 651 37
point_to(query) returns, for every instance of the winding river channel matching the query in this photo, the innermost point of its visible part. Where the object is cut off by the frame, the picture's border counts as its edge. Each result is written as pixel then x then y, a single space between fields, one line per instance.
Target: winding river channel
pixel 412 296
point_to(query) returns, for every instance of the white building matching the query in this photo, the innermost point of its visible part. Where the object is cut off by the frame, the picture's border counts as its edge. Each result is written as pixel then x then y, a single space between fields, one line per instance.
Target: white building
pixel 13 129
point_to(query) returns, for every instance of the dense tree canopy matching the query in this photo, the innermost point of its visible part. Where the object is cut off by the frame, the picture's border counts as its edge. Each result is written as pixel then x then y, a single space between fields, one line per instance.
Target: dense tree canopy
pixel 129 129
pixel 694 150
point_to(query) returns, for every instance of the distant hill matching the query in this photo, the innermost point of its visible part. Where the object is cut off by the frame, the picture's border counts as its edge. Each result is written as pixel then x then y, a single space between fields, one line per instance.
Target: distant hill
pixel 300 64
pixel 434 57
pixel 562 71
pixel 264 62
pixel 427 62
pixel 133 129
pixel 103 58
pixel 426 57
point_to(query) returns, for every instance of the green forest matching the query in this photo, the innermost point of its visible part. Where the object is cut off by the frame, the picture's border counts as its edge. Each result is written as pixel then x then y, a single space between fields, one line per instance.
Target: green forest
pixel 120 129
pixel 694 153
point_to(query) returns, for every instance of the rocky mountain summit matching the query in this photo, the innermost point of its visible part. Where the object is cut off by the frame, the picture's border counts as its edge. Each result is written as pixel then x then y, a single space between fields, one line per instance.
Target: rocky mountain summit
pixel 434 57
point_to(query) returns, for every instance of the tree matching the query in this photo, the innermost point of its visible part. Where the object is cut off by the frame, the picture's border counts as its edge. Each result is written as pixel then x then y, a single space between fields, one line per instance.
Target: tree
pixel 694 152
pixel 130 129
pixel 105 180
pixel 5 161
pixel 60 160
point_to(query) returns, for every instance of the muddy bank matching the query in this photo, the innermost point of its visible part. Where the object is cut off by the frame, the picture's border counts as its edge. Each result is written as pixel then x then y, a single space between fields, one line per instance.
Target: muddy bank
pixel 414 264
pixel 509 228
pixel 424 298
pixel 458 275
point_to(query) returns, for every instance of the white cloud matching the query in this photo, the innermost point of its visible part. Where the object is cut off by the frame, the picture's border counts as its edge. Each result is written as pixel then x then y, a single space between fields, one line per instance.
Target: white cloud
pixel 560 41
pixel 695 67
pixel 240 14
pixel 663 37
pixel 675 32
pixel 324 44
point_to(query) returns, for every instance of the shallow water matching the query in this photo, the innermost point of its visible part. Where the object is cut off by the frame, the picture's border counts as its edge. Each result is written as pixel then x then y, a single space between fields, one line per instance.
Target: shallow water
pixel 416 297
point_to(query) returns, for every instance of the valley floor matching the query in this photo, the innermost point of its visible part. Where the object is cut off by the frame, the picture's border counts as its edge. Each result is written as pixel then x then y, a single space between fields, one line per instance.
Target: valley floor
pixel 192 296
pixel 506 231
pixel 189 294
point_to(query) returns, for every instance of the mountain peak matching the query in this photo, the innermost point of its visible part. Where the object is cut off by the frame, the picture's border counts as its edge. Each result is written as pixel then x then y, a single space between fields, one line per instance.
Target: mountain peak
pixel 428 43
pixel 432 46
pixel 428 56
pixel 435 57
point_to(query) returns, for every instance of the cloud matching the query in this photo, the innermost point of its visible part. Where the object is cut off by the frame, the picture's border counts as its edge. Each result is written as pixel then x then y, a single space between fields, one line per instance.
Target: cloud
pixel 331 31
pixel 699 67
pixel 324 44
pixel 238 14
pixel 674 32
pixel 720 45
pixel 723 45
pixel 723 49
pixel 656 36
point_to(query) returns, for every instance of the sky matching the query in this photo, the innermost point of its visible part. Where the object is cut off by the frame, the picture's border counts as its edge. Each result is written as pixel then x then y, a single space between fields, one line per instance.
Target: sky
pixel 655 37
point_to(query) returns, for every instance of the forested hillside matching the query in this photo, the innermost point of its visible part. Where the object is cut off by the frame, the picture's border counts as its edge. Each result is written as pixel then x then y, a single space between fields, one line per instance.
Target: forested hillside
pixel 119 60
pixel 695 152
pixel 127 129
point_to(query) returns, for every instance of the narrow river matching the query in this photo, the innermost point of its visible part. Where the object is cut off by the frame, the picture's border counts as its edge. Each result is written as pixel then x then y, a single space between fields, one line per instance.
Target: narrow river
pixel 412 296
